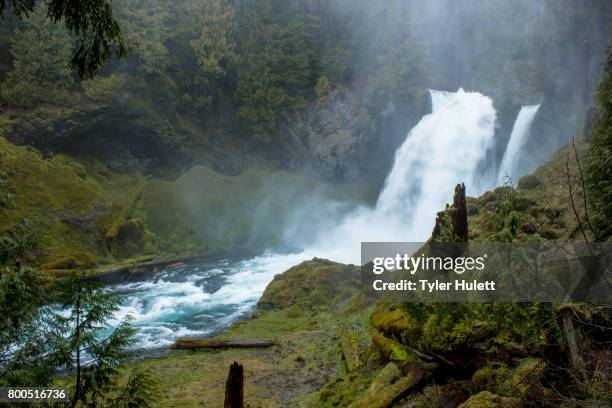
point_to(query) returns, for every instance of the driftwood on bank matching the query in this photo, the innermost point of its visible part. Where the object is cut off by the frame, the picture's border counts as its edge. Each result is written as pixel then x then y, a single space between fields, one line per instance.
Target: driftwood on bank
pixel 234 387
pixel 193 344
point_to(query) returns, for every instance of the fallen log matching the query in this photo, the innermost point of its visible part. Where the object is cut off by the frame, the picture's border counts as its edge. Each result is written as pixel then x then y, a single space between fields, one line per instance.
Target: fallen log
pixel 391 385
pixel 192 344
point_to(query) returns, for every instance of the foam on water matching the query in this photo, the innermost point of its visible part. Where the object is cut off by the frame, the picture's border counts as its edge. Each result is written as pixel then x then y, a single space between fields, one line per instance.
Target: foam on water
pixel 197 300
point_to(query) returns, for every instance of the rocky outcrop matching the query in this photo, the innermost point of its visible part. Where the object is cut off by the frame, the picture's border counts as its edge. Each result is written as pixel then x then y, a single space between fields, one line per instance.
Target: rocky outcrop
pixel 126 136
pixel 314 284
pixel 335 134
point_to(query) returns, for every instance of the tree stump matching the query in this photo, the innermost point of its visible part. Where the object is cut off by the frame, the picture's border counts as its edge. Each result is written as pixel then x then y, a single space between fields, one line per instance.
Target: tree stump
pixel 234 387
pixel 459 214
pixel 452 224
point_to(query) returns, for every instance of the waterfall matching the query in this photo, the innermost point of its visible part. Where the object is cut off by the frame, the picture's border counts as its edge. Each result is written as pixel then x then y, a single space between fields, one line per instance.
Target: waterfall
pixel 446 147
pixel 520 133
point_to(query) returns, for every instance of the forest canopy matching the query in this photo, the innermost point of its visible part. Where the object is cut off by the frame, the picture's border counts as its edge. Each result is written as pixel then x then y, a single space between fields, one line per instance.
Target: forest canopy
pixel 255 72
pixel 97 35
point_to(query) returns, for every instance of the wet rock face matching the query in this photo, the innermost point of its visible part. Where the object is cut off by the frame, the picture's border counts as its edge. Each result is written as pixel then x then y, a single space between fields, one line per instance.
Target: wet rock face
pixel 337 132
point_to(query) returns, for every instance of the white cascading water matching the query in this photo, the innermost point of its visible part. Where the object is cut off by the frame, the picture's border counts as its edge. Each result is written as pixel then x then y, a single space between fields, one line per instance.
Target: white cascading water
pixel 518 138
pixel 445 148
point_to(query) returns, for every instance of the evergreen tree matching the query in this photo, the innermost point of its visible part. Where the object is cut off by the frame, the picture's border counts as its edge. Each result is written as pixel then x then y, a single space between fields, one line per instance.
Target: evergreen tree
pixel 215 44
pixel 97 34
pixel 41 71
pixel 274 72
pixel 400 73
pixel 145 31
pixel 214 47
pixel 36 340
pixel 93 354
pixel 28 347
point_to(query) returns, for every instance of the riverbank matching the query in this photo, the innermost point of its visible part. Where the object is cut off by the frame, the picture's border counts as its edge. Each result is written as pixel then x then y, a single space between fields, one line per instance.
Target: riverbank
pixel 307 328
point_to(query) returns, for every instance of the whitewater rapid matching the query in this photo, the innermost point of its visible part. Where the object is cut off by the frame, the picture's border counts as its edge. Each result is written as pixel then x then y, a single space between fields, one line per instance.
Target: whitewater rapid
pixel 200 299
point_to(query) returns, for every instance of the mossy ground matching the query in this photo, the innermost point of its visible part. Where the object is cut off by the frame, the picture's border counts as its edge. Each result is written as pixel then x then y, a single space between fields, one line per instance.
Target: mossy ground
pixel 288 375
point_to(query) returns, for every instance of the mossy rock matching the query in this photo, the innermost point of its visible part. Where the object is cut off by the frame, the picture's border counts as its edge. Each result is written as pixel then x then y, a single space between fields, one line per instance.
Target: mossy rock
pixel 315 284
pixel 487 399
pixel 392 321
pixel 128 239
pixel 527 378
pixel 81 260
pixel 391 349
pixel 390 385
pixel 489 378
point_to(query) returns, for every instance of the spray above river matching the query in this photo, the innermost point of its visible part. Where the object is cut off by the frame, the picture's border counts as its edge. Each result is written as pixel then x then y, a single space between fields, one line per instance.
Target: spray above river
pixel 448 146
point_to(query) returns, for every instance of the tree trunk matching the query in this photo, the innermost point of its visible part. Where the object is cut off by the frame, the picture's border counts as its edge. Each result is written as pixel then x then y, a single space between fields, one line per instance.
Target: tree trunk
pixel 576 343
pixel 234 387
pixel 459 214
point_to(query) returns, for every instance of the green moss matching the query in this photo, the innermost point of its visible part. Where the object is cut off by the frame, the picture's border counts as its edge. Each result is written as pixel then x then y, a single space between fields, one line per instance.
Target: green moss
pixel 315 284
pixel 487 399
pixel 127 208
pixel 54 194
pixel 393 321
pixel 128 239
pixel 344 391
pixel 81 260
pixel 489 378
pixel 391 349
pixel 442 333
pixel 388 386
pixel 527 378
pixel 529 182
pixel 295 311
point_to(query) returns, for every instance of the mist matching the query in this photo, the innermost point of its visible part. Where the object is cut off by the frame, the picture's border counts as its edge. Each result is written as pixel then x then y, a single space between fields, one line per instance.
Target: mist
pixel 517 52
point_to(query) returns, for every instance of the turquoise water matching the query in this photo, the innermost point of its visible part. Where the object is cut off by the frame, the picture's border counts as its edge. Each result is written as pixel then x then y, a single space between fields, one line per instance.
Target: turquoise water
pixel 199 299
